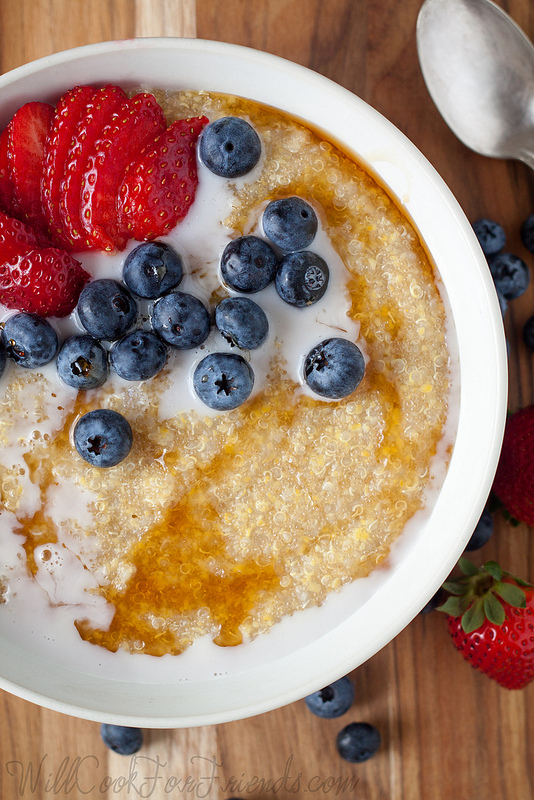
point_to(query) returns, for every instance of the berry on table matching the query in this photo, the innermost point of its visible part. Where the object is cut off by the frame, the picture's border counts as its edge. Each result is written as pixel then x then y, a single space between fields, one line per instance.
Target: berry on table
pixel 82 362
pixel 223 381
pixel 302 278
pixel 230 147
pixel 152 269
pixel 242 322
pixel 489 618
pixel 122 740
pixel 527 233
pixel 332 701
pixel 435 601
pixel 514 478
pixel 103 437
pixel 30 340
pixel 248 264
pixel 138 356
pixel 510 275
pixel 334 368
pixel 358 742
pixel 290 223
pixel 106 309
pixel 482 533
pixel 181 320
pixel 490 235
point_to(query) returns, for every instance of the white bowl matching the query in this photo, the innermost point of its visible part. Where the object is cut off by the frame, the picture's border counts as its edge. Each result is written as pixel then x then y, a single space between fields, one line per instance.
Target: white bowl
pixel 312 648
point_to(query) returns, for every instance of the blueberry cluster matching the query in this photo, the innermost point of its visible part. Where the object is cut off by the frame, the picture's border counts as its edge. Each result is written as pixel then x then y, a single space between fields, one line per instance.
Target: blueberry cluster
pixel 109 313
pixel 334 368
pixel 510 273
pixel 357 741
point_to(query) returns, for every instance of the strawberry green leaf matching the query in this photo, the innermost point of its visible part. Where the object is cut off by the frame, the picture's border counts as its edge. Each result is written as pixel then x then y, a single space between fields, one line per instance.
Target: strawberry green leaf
pixel 519 581
pixel 456 587
pixel 511 594
pixel 493 609
pixel 493 569
pixel 474 617
pixel 452 606
pixel 467 567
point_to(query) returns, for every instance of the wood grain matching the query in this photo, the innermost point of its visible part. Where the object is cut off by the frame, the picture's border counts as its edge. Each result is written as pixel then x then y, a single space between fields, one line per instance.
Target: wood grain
pixel 447 731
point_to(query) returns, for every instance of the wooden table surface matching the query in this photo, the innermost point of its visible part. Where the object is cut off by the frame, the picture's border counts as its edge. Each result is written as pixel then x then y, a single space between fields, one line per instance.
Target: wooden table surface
pixel 447 731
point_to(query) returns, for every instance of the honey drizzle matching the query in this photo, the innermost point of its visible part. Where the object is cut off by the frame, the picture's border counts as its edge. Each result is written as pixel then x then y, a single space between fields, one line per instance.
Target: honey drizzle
pixel 181 566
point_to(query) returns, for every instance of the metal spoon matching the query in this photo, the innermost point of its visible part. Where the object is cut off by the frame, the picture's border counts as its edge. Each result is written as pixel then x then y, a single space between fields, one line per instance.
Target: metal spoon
pixel 478 66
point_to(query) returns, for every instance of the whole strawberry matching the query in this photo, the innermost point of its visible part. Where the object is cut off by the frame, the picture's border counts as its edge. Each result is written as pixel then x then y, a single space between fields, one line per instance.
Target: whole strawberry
pixel 491 622
pixel 514 479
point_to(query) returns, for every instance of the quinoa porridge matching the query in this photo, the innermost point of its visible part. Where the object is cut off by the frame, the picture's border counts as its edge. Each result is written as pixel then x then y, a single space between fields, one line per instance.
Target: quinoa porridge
pixel 221 524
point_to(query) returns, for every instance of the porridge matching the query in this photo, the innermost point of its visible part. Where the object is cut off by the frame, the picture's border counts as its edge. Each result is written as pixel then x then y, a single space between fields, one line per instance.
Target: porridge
pixel 220 523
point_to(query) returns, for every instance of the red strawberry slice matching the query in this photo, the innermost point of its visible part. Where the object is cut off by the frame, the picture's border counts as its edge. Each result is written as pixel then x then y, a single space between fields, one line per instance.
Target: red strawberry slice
pixel 136 121
pixel 7 191
pixel 70 108
pixel 28 131
pixel 17 233
pixel 97 112
pixel 159 188
pixel 44 281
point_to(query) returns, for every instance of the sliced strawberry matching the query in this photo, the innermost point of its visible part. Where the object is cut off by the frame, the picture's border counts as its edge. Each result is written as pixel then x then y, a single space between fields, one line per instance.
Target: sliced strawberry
pixel 71 106
pixel 17 233
pixel 159 188
pixel 41 281
pixel 136 121
pixel 28 131
pixel 7 191
pixel 98 111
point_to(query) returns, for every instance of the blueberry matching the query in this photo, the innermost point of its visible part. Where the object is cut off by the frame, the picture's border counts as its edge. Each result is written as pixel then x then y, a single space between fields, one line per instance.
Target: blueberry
pixel 106 309
pixel 528 333
pixel 358 742
pixel 82 362
pixel 482 532
pixel 181 320
pixel 302 278
pixel 223 380
pixel 510 275
pixel 242 322
pixel 334 368
pixel 503 304
pixel 435 601
pixel 30 340
pixel 527 233
pixel 290 223
pixel 333 700
pixel 490 235
pixel 138 356
pixel 152 269
pixel 230 147
pixel 122 740
pixel 103 437
pixel 248 264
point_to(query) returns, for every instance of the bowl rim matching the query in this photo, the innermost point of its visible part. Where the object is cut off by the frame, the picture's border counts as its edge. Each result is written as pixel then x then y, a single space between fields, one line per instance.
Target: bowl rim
pixel 489 386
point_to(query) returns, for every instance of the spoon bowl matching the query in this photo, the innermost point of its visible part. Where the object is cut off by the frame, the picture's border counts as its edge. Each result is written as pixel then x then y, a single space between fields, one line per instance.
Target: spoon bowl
pixel 478 66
